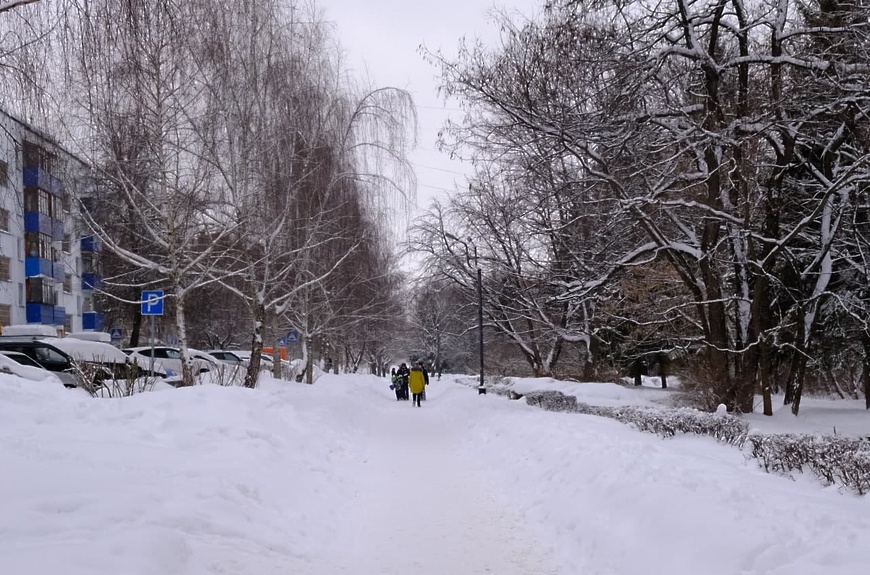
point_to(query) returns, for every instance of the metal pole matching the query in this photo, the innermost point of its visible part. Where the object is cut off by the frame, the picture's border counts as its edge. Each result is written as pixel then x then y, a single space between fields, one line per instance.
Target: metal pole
pixel 151 368
pixel 481 390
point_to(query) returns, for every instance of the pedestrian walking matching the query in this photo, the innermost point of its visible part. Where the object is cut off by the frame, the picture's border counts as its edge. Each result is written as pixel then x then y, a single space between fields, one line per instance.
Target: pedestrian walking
pixel 417 384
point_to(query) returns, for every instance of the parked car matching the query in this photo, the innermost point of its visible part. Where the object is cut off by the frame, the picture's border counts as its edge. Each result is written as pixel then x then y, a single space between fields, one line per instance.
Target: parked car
pixel 170 358
pixel 45 354
pixel 20 365
pixel 97 360
pixel 227 356
pixel 238 357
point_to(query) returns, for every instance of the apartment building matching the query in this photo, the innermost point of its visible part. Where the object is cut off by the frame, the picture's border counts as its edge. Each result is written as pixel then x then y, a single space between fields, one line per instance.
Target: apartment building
pixel 49 262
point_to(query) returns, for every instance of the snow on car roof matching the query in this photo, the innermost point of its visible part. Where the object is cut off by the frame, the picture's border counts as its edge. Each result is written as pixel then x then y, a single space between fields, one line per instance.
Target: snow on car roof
pixel 83 350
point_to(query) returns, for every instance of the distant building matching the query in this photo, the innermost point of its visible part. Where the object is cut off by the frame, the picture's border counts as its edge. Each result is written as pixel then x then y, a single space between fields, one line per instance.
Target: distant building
pixel 49 261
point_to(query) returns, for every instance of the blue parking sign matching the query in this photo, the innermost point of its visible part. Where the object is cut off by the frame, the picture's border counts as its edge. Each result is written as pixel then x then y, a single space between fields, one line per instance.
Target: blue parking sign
pixel 152 302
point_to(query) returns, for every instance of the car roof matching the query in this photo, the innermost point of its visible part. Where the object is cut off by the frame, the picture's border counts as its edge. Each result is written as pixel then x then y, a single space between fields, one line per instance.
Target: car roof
pixel 29 341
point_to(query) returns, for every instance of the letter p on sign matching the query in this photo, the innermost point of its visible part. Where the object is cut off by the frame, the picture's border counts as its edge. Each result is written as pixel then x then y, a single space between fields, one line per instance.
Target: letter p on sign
pixel 152 302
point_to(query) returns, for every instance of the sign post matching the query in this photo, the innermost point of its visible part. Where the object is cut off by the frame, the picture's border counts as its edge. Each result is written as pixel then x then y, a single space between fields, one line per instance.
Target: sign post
pixel 152 304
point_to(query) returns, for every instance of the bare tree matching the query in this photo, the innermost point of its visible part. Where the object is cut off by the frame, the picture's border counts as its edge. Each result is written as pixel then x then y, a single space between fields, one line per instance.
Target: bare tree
pixel 142 91
pixel 698 135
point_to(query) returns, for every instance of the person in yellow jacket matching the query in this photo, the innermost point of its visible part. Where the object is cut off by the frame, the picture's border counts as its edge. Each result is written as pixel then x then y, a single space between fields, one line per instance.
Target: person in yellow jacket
pixel 417 385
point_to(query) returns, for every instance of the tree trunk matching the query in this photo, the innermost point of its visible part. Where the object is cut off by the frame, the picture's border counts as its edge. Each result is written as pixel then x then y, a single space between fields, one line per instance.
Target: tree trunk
pixel 766 372
pixel 591 358
pixel 865 376
pixel 186 363
pixel 637 372
pixel 137 327
pixel 663 369
pixel 253 372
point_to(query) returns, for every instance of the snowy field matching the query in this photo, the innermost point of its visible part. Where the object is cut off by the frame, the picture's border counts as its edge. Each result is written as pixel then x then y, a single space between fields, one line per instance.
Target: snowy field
pixel 339 478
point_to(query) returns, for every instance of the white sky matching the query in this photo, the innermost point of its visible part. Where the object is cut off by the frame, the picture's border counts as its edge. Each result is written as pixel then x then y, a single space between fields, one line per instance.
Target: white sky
pixel 381 39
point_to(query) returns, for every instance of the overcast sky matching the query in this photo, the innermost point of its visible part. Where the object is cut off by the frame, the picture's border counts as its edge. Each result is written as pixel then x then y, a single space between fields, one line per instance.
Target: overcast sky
pixel 381 39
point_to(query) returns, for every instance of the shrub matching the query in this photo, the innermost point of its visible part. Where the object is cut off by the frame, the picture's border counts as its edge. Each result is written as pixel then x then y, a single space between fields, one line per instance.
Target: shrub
pixel 834 460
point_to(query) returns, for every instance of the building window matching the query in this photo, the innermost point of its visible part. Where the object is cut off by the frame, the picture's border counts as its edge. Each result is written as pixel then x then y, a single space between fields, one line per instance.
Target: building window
pixel 66 200
pixel 21 294
pixel 66 243
pixel 40 290
pixel 4 220
pixel 89 263
pixel 4 269
pixel 36 200
pixel 4 173
pixel 38 157
pixel 38 246
pixel 5 314
pixel 67 324
pixel 67 283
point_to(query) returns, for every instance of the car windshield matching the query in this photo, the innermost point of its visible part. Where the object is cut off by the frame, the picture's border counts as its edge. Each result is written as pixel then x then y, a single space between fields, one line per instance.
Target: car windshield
pixel 23 359
pixel 46 354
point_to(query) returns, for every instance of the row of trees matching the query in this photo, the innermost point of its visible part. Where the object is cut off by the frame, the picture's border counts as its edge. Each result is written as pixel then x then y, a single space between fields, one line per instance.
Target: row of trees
pixel 235 165
pixel 679 179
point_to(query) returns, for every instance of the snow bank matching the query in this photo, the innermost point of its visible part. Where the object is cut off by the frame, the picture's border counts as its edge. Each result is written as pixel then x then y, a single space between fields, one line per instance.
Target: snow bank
pixel 13 368
pixel 613 500
pixel 281 479
pixel 206 479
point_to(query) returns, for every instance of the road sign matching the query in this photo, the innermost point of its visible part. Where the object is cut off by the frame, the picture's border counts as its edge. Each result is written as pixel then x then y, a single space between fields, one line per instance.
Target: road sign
pixel 292 336
pixel 116 333
pixel 152 302
pixel 282 341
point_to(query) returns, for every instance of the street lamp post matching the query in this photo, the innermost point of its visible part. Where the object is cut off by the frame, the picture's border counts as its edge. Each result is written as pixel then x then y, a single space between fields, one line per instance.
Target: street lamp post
pixel 481 389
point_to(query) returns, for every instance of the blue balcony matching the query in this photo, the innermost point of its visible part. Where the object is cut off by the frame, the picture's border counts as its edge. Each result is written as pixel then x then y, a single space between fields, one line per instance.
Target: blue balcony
pixel 38 267
pixel 41 313
pixel 92 244
pixel 59 315
pixel 92 320
pixel 36 222
pixel 39 178
pixel 92 281
pixel 58 272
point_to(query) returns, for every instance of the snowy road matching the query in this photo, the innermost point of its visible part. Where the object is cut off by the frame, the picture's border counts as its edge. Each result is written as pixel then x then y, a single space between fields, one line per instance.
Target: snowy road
pixel 421 506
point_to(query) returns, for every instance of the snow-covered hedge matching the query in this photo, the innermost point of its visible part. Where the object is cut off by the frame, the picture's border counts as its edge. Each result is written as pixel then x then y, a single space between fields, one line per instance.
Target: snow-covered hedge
pixel 834 460
pixel 666 423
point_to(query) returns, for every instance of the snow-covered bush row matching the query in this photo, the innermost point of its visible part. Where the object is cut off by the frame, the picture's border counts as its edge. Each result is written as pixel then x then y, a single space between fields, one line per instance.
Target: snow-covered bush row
pixel 835 460
pixel 552 401
pixel 666 423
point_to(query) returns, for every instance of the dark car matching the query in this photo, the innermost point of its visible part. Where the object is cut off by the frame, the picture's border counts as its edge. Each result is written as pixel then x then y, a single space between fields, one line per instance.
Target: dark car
pixel 46 355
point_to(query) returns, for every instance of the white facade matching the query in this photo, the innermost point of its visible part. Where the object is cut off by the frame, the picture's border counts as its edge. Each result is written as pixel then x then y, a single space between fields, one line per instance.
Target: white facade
pixel 40 233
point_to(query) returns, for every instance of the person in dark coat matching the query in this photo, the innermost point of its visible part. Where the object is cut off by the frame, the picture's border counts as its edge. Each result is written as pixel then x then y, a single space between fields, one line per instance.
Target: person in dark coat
pixel 395 385
pixel 402 374
pixel 426 378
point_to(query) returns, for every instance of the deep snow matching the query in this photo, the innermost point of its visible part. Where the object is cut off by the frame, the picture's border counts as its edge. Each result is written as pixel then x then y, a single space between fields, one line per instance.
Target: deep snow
pixel 339 477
